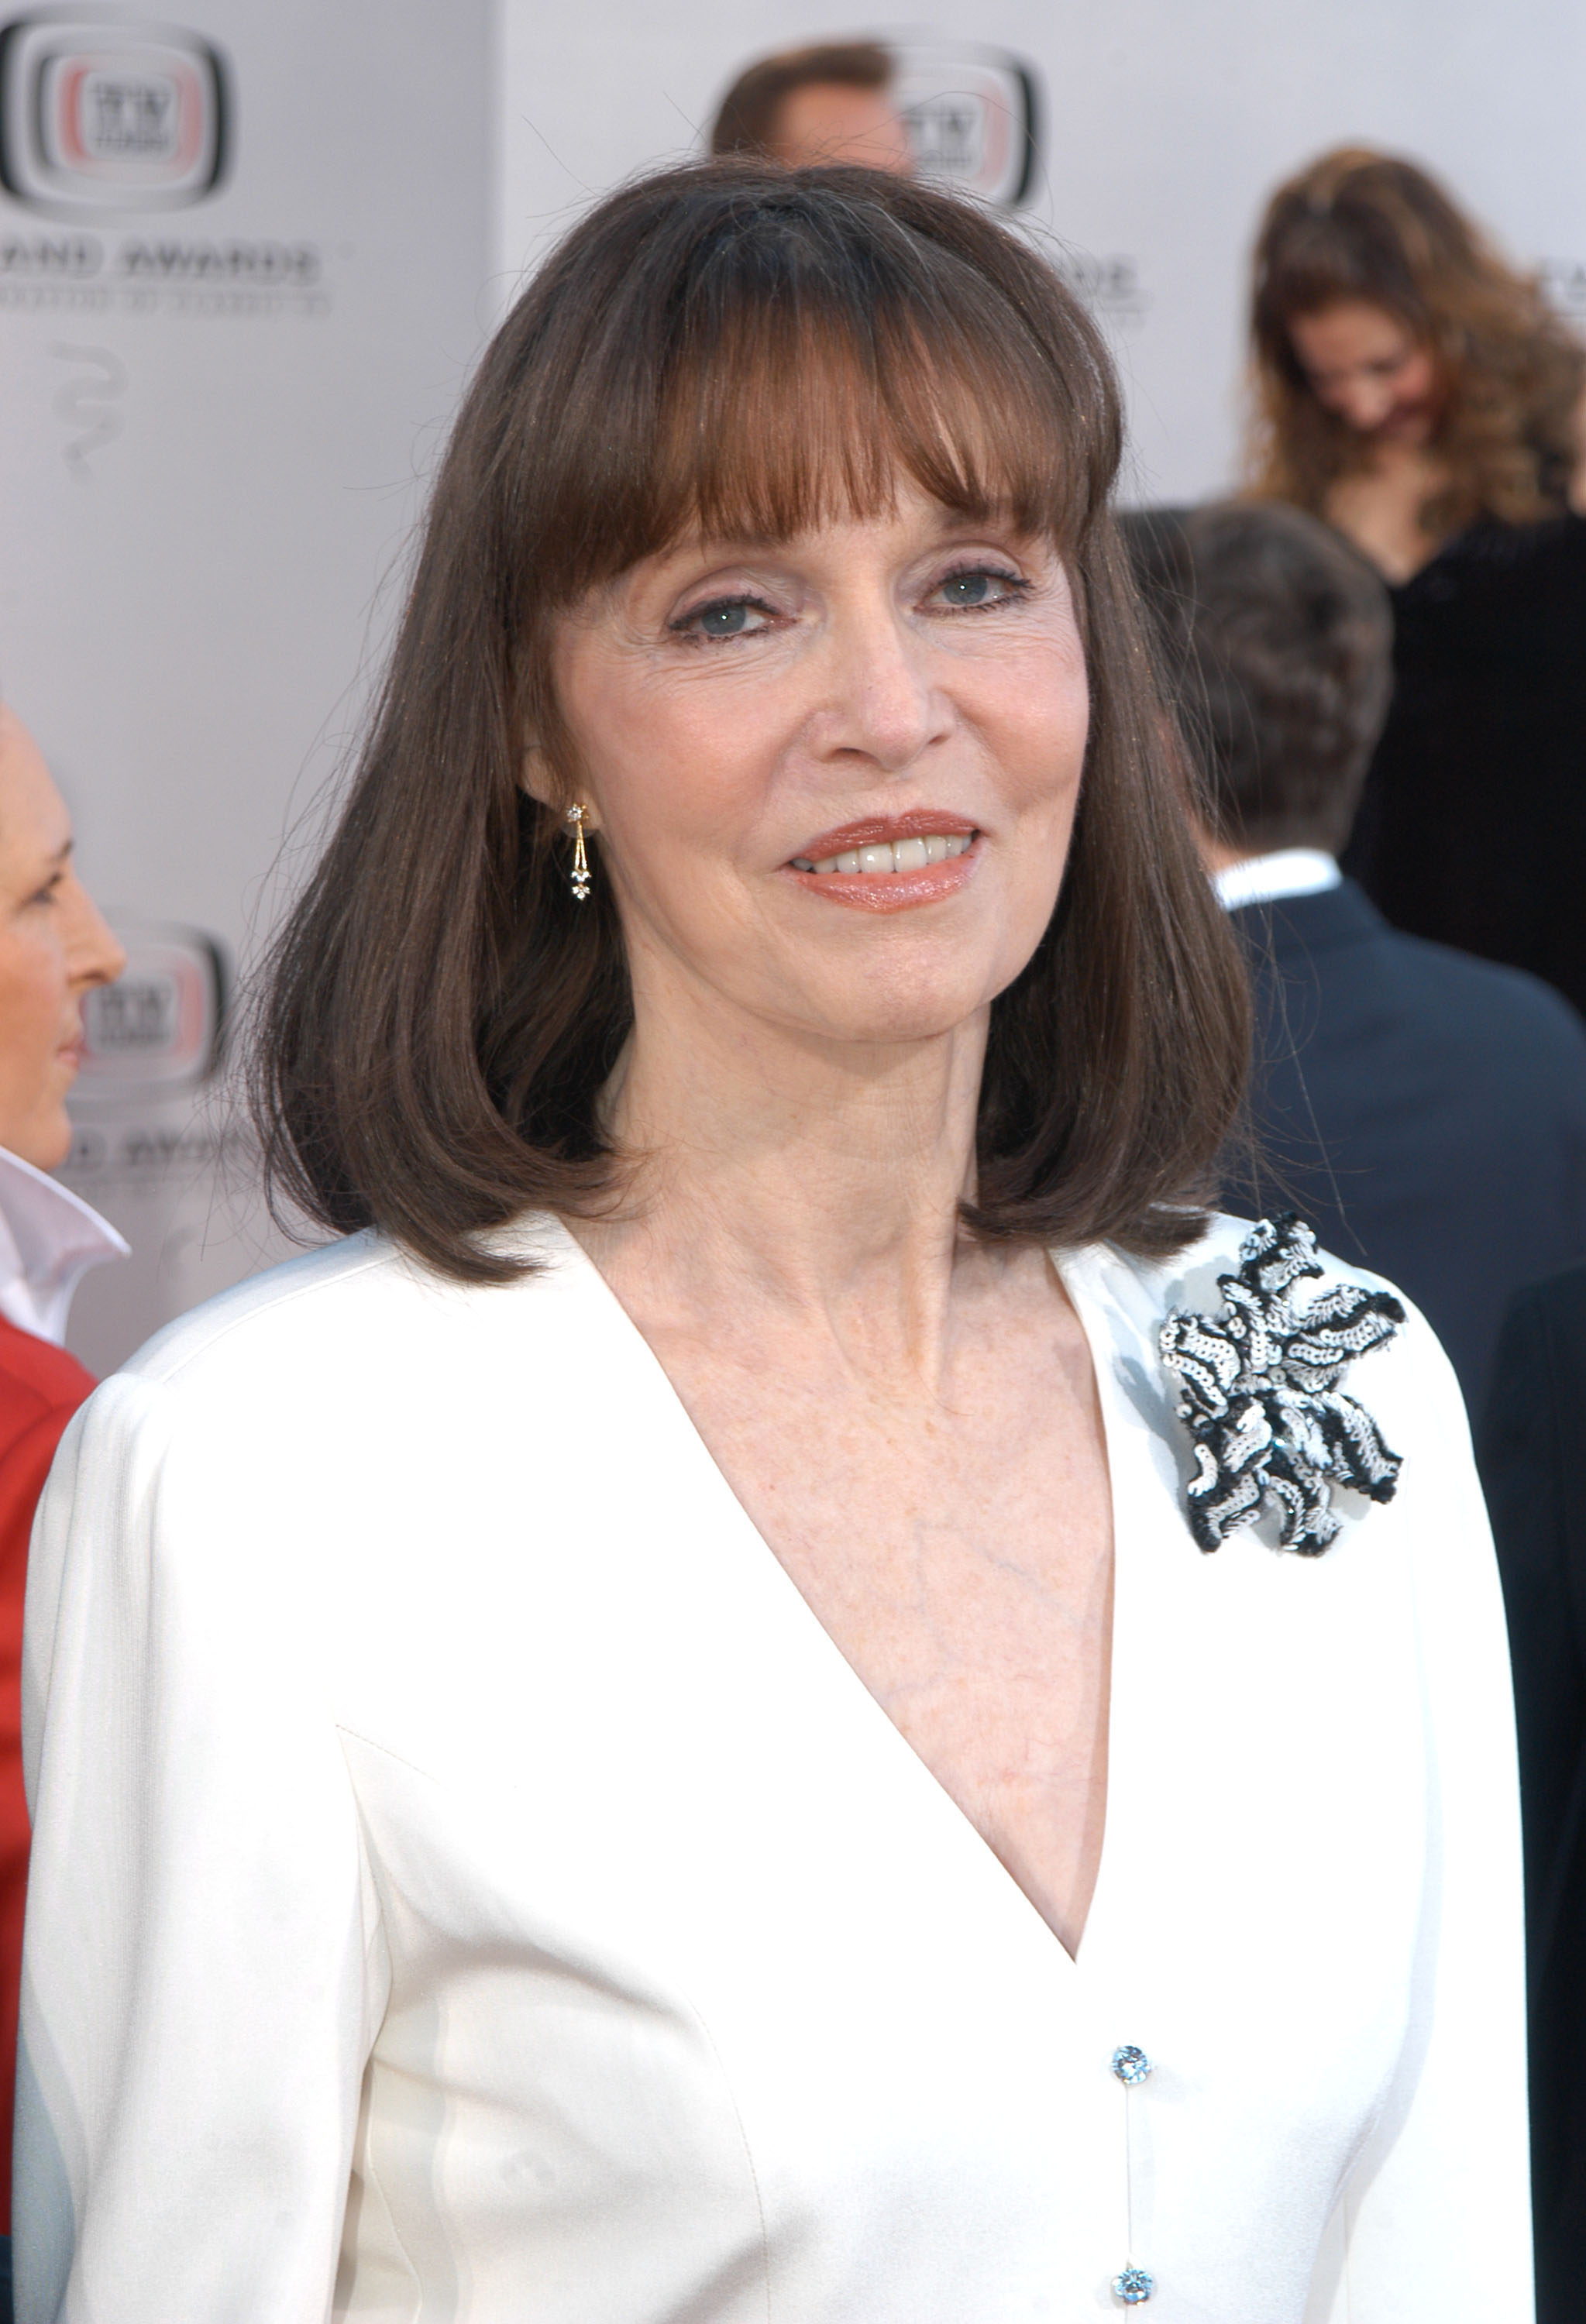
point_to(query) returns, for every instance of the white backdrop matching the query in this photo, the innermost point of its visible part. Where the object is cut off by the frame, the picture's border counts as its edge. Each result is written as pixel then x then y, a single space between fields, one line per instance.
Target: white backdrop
pixel 219 402
pixel 1166 123
pixel 213 416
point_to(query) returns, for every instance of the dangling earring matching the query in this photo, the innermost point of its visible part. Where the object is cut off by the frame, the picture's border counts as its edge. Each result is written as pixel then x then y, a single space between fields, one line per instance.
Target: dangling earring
pixel 579 878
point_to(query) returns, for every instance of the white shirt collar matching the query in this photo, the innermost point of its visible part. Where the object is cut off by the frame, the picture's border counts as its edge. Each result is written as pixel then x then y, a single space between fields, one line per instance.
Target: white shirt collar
pixel 1265 879
pixel 49 1239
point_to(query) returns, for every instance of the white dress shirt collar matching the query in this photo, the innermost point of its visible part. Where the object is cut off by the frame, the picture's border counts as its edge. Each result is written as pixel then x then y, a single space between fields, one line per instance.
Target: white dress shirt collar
pixel 49 1239
pixel 1267 879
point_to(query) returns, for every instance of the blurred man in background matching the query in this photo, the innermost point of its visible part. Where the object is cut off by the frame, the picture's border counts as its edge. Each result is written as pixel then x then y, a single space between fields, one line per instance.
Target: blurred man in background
pixel 829 103
pixel 1424 1111
pixel 54 947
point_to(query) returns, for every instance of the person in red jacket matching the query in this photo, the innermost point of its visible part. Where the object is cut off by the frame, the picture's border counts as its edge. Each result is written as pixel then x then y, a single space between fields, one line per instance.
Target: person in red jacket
pixel 54 946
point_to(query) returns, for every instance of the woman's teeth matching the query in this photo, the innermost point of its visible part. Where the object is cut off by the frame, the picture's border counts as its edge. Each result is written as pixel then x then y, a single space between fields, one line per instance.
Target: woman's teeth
pixel 891 854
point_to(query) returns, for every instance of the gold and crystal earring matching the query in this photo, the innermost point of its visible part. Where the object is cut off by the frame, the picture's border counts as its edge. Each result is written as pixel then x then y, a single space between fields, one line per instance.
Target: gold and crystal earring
pixel 579 878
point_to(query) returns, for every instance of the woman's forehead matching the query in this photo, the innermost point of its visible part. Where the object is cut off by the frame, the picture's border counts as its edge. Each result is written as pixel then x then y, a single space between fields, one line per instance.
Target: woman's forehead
pixel 756 442
pixel 748 437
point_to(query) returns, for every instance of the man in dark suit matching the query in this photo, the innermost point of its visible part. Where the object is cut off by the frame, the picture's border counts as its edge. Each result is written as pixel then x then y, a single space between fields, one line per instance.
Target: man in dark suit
pixel 1532 1451
pixel 1424 1111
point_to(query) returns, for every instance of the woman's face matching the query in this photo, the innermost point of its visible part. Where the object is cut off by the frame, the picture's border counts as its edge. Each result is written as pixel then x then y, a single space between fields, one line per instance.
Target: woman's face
pixel 53 947
pixel 833 778
pixel 1367 366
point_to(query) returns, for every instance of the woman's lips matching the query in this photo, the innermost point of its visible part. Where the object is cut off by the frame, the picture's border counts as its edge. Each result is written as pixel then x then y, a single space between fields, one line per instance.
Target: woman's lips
pixel 1403 419
pixel 887 856
pixel 890 871
pixel 881 830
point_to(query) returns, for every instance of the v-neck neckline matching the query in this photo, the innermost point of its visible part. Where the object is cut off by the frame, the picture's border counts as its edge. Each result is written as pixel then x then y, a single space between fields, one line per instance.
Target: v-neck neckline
pixel 1085 1298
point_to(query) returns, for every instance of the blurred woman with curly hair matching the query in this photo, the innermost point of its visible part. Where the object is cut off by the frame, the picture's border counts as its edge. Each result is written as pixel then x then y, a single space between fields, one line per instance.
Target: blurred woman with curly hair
pixel 1417 392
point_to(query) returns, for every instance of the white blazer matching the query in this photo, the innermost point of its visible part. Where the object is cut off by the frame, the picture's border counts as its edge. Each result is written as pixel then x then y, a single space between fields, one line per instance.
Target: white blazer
pixel 458 1847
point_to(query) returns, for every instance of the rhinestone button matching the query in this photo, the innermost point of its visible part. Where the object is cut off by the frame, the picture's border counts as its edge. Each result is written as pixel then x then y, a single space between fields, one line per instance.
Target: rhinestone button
pixel 1131 2065
pixel 1133 2286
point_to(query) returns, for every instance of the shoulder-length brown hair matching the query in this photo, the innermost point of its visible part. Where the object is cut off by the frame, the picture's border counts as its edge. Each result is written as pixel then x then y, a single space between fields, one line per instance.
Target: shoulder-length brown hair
pixel 740 348
pixel 1361 224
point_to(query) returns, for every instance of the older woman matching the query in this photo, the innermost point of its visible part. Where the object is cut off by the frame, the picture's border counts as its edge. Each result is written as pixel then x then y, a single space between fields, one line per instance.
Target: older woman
pixel 785 1688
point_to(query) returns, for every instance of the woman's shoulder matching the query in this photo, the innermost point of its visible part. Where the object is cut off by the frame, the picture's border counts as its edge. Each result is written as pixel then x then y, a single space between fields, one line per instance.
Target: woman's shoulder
pixel 351 1378
pixel 307 1293
pixel 1291 1391
pixel 1222 1245
pixel 358 1307
pixel 1275 1269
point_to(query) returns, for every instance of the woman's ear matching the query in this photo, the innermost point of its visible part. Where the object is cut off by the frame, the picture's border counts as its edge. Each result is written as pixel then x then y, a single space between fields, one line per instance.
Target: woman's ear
pixel 538 778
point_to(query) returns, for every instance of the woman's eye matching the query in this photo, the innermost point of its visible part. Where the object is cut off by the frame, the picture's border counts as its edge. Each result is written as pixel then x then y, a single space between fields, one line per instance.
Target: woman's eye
pixel 979 585
pixel 726 617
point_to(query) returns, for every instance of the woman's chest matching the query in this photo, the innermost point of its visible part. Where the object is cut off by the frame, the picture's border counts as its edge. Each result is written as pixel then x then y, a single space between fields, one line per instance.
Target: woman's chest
pixel 681 1931
pixel 702 1994
pixel 957 1552
pixel 683 1935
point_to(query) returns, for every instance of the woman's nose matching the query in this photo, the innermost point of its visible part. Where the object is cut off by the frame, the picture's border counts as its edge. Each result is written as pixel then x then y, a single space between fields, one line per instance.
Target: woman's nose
pixel 95 954
pixel 1366 404
pixel 883 705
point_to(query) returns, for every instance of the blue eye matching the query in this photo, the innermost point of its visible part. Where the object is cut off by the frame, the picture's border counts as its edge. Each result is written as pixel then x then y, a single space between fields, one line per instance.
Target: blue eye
pixel 980 585
pixel 723 619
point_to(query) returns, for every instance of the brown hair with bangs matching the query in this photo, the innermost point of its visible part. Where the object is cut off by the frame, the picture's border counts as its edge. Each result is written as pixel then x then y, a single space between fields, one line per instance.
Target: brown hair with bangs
pixel 740 349
pixel 1357 225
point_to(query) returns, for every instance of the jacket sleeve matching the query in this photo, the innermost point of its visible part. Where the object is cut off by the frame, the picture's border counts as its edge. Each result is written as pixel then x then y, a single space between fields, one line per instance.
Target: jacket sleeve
pixel 24 1463
pixel 1434 2225
pixel 202 1970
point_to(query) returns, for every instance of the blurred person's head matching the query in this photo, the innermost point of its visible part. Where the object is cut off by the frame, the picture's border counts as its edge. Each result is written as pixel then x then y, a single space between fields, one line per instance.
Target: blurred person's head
pixel 1382 315
pixel 832 102
pixel 777 514
pixel 54 946
pixel 1276 638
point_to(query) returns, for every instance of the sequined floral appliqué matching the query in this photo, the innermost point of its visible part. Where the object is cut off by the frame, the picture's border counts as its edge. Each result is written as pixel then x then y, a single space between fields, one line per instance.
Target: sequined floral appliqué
pixel 1259 1391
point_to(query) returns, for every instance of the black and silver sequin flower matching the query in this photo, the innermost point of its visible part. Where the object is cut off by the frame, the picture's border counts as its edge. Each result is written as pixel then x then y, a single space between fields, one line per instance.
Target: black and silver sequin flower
pixel 1259 1391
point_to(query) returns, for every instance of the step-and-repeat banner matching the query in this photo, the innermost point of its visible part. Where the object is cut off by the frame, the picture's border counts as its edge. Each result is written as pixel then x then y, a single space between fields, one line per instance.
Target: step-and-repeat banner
pixel 241 270
pixel 246 259
pixel 1139 138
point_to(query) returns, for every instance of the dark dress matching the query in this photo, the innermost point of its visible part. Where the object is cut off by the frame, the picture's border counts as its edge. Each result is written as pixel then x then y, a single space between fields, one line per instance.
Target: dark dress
pixel 1472 829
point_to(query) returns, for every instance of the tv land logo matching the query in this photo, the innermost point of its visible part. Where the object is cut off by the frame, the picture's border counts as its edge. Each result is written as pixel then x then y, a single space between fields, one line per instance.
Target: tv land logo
pixel 1109 286
pixel 100 114
pixel 973 118
pixel 161 1025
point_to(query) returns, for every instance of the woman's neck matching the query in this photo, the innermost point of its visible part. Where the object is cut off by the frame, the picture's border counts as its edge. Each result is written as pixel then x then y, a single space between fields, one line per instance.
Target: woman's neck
pixel 1378 504
pixel 818 1178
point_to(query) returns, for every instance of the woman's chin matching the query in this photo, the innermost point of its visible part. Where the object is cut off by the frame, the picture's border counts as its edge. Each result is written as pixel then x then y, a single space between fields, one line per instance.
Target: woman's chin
pixel 45 1138
pixel 1406 430
pixel 875 1019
